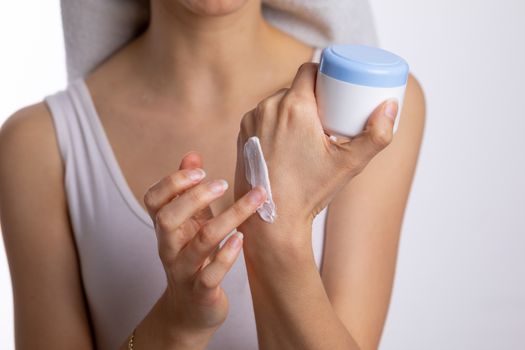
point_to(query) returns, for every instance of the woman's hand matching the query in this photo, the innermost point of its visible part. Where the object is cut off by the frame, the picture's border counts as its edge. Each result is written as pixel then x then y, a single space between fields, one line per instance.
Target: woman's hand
pixel 188 239
pixel 306 168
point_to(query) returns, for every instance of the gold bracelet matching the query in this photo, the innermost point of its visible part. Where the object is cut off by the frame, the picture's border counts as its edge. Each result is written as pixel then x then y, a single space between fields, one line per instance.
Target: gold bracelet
pixel 131 339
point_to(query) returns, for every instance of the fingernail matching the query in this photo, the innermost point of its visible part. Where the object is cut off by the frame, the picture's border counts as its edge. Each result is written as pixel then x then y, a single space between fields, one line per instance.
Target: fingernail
pixel 218 186
pixel 391 109
pixel 255 196
pixel 237 239
pixel 196 174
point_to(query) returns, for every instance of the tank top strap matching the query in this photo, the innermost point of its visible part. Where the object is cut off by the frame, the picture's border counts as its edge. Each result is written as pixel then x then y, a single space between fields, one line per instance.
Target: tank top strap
pixel 72 129
pixel 76 137
pixel 87 152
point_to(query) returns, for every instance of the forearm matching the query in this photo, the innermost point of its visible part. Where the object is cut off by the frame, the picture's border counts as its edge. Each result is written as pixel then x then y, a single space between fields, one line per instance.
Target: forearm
pixel 158 331
pixel 291 307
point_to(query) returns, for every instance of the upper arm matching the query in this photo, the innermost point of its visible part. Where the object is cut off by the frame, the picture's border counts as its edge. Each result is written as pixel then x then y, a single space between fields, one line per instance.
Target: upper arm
pixel 363 228
pixel 48 299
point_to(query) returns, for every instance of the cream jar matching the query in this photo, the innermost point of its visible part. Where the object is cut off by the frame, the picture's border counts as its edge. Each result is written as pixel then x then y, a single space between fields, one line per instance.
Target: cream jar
pixel 352 80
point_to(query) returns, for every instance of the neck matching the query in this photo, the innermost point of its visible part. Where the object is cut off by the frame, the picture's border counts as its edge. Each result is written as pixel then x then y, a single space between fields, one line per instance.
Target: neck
pixel 195 57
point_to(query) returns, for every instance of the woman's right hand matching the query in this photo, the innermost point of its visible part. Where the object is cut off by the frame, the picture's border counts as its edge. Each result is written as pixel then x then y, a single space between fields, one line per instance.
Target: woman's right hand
pixel 188 240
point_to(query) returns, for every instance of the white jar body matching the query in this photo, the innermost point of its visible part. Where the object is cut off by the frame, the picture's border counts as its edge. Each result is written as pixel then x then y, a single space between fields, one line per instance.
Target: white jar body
pixel 344 107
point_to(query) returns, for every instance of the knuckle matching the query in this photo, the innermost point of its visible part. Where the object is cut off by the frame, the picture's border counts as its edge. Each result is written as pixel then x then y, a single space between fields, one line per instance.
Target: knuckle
pixel 166 181
pixel 207 280
pixel 304 66
pixel 170 181
pixel 162 220
pixel 149 199
pixel 181 236
pixel 294 104
pixel 263 107
pixel 174 180
pixel 299 107
pixel 246 118
pixel 380 138
pixel 280 92
pixel 246 123
pixel 167 246
pixel 287 102
pixel 224 261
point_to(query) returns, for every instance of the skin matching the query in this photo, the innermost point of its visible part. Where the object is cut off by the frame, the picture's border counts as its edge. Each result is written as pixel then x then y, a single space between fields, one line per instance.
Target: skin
pixel 293 309
pixel 193 73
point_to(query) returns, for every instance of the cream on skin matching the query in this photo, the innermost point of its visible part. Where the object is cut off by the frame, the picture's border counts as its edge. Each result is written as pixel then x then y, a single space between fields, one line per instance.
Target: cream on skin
pixel 192 43
pixel 285 318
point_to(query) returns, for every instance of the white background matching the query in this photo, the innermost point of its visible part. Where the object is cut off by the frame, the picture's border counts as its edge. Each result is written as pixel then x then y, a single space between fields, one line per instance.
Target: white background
pixel 460 282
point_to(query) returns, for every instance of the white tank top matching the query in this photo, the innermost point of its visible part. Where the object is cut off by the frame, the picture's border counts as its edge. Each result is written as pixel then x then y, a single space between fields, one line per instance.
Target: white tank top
pixel 121 271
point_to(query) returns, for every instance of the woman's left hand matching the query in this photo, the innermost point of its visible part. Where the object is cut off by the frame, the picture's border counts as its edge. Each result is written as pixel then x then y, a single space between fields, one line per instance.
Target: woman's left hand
pixel 306 168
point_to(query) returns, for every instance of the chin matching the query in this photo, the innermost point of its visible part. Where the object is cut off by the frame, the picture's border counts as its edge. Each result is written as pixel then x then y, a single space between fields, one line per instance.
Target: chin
pixel 213 7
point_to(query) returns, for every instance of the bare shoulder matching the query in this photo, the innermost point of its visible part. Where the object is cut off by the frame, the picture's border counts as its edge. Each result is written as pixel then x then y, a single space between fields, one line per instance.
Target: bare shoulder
pixel 31 170
pixel 30 163
pixel 28 143
pixel 414 107
pixel 37 235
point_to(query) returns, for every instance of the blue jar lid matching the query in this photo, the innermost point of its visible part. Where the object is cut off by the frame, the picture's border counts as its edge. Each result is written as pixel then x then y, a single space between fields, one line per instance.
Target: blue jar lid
pixel 364 65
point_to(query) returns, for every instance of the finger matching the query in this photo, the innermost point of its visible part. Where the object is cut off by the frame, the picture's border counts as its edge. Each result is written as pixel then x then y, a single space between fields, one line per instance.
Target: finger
pixel 173 227
pixel 214 231
pixel 300 100
pixel 378 134
pixel 266 114
pixel 211 276
pixel 304 81
pixel 247 126
pixel 169 187
pixel 269 105
pixel 176 212
pixel 191 160
pixel 210 257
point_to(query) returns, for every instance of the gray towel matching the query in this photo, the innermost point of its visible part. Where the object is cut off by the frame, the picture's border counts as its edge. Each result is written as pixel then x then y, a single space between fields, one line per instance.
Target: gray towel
pixel 94 29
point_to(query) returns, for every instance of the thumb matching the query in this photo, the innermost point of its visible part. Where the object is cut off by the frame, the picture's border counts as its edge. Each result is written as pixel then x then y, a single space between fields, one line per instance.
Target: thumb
pixel 191 160
pixel 378 134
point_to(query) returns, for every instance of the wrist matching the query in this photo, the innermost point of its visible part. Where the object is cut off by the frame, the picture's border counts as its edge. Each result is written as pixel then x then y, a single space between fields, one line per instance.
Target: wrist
pixel 280 244
pixel 286 229
pixel 160 330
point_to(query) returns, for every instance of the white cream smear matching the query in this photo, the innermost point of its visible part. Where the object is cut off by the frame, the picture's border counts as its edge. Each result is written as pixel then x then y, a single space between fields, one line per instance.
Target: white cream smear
pixel 256 172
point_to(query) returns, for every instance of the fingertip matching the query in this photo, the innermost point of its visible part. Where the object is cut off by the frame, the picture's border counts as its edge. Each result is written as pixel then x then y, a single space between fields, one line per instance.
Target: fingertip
pixel 261 189
pixel 192 159
pixel 307 67
pixel 390 108
pixel 237 240
pixel 384 114
pixel 257 195
pixel 195 174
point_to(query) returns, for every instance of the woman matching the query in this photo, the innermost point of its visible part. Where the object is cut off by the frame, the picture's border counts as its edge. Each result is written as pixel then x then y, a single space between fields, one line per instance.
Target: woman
pixel 93 267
